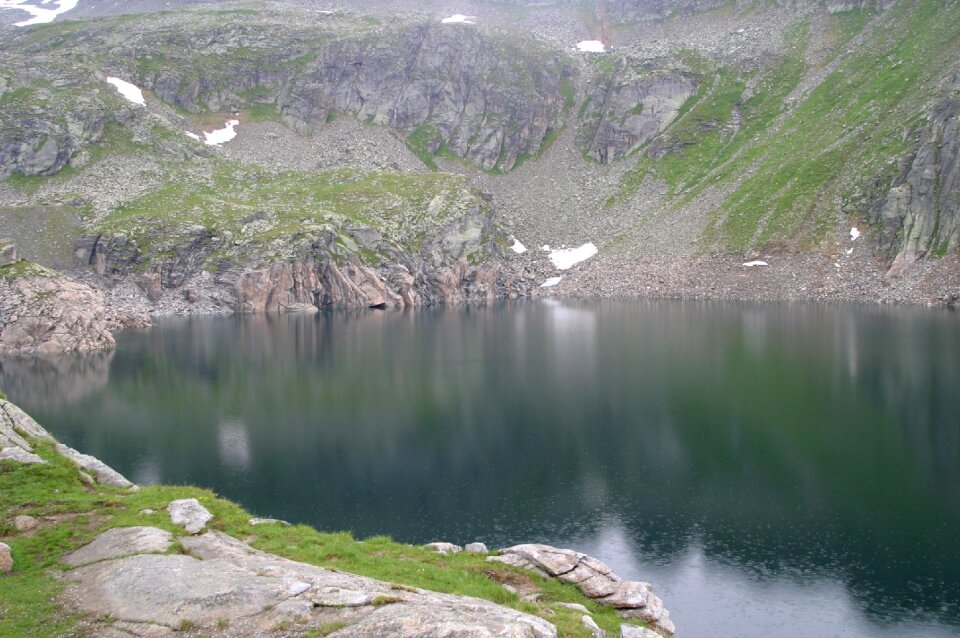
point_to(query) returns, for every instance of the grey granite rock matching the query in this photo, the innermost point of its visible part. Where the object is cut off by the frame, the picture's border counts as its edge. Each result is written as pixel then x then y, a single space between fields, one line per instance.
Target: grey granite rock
pixel 121 541
pixel 189 514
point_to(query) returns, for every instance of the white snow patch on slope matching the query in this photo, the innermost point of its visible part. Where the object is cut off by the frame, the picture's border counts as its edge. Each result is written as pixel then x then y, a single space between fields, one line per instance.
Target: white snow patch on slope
pixel 459 18
pixel 854 233
pixel 518 247
pixel 192 135
pixel 221 135
pixel 569 257
pixel 40 15
pixel 591 46
pixel 128 91
pixel 751 264
pixel 549 283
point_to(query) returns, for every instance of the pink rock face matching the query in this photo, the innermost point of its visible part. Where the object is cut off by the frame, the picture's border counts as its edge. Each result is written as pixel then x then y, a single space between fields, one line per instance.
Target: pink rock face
pixel 50 315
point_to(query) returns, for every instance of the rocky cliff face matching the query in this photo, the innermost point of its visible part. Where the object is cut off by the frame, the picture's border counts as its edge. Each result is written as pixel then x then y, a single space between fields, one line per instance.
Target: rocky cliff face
pixel 630 107
pixel 921 214
pixel 470 93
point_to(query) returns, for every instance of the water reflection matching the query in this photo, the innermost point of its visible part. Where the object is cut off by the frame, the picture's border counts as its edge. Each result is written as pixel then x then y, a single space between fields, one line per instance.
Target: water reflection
pixel 784 467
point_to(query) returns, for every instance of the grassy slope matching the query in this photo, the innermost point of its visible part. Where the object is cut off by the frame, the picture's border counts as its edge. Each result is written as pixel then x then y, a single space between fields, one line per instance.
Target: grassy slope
pixel 405 207
pixel 28 605
pixel 841 135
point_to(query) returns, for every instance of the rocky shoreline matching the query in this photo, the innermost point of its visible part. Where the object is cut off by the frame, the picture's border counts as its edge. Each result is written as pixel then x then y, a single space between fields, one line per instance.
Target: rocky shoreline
pixel 186 576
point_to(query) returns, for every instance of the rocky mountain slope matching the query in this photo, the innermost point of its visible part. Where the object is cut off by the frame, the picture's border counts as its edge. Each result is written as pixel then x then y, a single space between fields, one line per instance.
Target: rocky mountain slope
pixel 747 130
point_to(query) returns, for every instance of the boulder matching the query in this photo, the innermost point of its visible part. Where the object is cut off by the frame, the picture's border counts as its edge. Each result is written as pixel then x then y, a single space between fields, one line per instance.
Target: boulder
pixel 24 523
pixel 477 548
pixel 6 559
pixel 592 627
pixel 189 514
pixel 444 548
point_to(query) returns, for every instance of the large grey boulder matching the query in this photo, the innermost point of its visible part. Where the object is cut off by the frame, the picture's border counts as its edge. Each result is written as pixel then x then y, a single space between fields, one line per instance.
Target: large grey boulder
pixel 221 578
pixel 122 541
pixel 189 514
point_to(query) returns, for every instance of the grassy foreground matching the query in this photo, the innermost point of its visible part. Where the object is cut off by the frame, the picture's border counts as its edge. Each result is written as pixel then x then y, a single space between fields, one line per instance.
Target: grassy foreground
pixel 73 513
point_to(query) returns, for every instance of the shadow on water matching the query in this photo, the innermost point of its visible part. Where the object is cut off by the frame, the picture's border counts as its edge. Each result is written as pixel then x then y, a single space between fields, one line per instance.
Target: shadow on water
pixel 778 466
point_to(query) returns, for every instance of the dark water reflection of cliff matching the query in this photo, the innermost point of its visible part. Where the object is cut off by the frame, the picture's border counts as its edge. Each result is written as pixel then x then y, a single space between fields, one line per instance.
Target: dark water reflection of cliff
pixel 790 468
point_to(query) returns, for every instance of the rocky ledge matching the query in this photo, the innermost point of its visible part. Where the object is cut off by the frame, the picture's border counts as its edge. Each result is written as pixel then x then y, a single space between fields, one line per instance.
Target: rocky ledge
pixel 594 578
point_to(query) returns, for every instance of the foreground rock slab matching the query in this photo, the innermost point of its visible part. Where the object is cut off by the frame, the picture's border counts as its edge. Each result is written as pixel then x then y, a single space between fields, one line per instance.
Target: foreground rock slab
pixel 594 578
pixel 222 579
pixel 123 541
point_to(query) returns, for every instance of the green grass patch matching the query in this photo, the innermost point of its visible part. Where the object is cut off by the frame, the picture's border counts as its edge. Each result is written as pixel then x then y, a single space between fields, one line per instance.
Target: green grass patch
pixel 418 142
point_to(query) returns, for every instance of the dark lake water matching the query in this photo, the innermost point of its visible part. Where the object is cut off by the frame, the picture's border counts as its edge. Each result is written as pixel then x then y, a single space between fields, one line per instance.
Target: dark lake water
pixel 781 470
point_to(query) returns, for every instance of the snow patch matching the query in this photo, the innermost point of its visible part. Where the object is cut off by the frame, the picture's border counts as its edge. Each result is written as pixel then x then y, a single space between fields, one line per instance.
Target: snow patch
pixel 221 135
pixel 567 258
pixel 591 46
pixel 459 18
pixel 756 262
pixel 518 247
pixel 128 91
pixel 854 234
pixel 192 135
pixel 550 283
pixel 545 248
pixel 40 15
pixel 850 250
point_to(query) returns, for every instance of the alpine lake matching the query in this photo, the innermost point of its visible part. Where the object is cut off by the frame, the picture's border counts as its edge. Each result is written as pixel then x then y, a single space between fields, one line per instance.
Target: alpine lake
pixel 774 470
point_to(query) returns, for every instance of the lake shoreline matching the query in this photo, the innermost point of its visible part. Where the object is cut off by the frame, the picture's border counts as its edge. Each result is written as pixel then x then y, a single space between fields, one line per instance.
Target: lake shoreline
pixel 118 583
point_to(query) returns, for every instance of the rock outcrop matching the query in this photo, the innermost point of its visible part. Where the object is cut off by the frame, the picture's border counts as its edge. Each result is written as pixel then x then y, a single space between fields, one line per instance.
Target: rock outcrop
pixel 44 312
pixel 16 426
pixel 594 578
pixel 220 579
pixel 630 107
pixel 921 214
